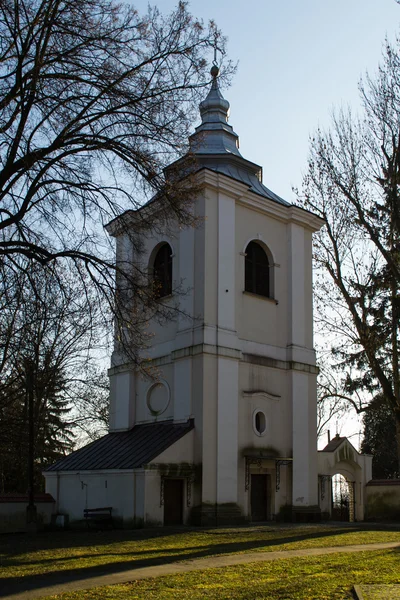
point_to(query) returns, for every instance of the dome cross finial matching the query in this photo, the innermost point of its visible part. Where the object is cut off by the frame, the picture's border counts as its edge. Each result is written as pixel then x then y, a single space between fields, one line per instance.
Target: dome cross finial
pixel 215 69
pixel 216 36
pixel 214 135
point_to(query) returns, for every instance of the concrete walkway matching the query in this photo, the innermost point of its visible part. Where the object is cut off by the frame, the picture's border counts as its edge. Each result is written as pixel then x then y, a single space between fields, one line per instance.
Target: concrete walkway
pixel 51 584
pixel 377 592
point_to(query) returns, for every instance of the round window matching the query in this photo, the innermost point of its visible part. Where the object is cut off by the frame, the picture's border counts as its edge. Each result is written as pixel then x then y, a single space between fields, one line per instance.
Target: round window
pixel 260 422
pixel 158 397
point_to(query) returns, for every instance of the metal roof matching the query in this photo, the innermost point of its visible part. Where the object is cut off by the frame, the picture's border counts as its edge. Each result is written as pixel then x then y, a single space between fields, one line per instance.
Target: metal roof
pixel 333 444
pixel 230 167
pixel 125 449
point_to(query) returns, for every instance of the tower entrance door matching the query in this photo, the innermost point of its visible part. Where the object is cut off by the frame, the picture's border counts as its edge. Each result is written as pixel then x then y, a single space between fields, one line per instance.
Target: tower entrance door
pixel 259 497
pixel 173 501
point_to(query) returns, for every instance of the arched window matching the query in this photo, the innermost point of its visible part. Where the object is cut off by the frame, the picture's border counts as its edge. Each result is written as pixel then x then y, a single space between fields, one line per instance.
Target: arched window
pixel 162 272
pixel 256 270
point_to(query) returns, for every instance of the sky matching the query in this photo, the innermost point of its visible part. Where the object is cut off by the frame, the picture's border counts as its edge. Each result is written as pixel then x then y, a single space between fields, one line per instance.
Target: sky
pixel 297 61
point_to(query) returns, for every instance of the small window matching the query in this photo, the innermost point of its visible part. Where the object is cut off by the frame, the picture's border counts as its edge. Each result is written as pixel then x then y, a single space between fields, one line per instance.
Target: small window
pixel 162 272
pixel 260 422
pixel 257 270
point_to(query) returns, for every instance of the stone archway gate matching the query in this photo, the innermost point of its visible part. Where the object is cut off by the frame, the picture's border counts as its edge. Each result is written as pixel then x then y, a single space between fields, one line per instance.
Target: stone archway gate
pixel 340 457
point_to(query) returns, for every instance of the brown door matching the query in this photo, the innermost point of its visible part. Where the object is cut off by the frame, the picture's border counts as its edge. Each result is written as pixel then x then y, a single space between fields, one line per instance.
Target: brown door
pixel 173 501
pixel 258 498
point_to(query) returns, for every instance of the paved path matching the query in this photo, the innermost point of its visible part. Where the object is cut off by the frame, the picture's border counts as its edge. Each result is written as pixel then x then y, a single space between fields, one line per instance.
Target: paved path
pixel 50 584
pixel 377 592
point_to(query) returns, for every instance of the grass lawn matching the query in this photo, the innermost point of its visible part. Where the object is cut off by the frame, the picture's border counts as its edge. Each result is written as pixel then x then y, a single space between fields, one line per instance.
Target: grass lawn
pixel 317 578
pixel 72 552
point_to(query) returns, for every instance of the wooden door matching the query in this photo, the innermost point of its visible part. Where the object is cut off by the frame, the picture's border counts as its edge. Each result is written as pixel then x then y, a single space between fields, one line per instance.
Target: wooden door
pixel 258 498
pixel 173 501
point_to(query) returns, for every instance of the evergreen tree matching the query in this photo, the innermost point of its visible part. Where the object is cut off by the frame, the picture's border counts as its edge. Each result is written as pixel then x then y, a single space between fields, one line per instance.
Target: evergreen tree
pixel 380 441
pixel 45 336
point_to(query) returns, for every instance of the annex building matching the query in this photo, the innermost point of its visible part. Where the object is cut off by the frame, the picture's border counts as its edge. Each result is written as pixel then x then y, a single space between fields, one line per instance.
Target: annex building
pixel 228 432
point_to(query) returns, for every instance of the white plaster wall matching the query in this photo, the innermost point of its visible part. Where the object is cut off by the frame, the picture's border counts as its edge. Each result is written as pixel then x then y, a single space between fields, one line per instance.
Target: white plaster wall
pixel 124 258
pixel 154 512
pixel 325 503
pixel 95 489
pixel 300 325
pixel 226 263
pixel 261 319
pixel 308 290
pixel 305 488
pixel 182 399
pixel 297 302
pixel 186 275
pixel 211 254
pixel 227 428
pixel 139 494
pixel 122 401
pixel 198 386
pixel 51 482
pixel 199 261
pixel 143 413
pixel 180 452
pixel 209 430
pixel 278 434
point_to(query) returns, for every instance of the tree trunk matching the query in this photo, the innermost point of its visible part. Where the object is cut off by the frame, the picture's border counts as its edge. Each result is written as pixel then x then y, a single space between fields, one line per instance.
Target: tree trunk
pixel 397 417
pixel 31 508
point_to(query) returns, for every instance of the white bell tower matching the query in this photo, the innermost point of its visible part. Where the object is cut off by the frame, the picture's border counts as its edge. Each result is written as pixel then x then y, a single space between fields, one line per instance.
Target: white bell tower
pixel 241 363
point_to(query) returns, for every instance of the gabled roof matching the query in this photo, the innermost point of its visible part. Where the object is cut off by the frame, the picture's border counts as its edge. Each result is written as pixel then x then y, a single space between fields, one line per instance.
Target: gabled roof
pixel 334 444
pixel 126 449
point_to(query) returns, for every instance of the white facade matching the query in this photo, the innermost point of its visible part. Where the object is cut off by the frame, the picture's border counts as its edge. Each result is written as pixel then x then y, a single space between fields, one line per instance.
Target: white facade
pixel 240 365
pixel 237 353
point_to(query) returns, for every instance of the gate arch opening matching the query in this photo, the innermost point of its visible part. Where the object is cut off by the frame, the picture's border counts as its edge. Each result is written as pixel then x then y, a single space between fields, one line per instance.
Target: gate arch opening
pixel 343 508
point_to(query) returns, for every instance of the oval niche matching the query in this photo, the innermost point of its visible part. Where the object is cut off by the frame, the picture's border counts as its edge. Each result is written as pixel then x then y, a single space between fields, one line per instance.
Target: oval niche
pixel 158 396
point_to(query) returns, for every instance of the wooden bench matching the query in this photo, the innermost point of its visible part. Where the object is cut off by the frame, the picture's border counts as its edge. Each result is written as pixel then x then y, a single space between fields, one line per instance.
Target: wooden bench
pixel 98 515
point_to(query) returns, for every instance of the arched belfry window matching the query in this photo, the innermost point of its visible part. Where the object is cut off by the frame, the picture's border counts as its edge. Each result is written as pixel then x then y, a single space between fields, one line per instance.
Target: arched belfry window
pixel 257 270
pixel 162 271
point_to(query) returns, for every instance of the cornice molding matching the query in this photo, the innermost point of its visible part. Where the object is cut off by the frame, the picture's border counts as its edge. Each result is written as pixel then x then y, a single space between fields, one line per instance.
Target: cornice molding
pixel 261 394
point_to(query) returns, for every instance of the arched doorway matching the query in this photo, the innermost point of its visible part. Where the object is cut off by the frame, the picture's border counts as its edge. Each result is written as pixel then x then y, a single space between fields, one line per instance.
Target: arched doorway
pixel 342 499
pixel 343 474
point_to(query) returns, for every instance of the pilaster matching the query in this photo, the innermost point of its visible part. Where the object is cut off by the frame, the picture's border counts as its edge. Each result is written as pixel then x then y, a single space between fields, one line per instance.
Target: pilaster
pixel 122 401
pixel 305 481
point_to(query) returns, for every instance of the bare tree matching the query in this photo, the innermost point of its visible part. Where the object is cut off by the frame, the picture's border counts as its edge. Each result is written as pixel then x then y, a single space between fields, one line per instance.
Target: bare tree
pixel 47 338
pixel 89 397
pixel 353 182
pixel 331 404
pixel 95 102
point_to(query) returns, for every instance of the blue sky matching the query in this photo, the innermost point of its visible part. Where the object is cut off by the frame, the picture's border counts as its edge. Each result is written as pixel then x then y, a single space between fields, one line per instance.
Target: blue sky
pixel 297 60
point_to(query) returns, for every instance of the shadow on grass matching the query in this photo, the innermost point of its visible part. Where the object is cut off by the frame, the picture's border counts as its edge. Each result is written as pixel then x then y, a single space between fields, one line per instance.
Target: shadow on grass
pixel 14 585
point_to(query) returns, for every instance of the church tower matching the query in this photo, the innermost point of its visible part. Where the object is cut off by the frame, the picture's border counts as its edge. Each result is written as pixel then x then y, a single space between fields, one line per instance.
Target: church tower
pixel 228 431
pixel 242 368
